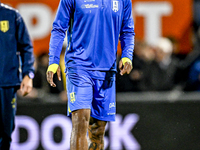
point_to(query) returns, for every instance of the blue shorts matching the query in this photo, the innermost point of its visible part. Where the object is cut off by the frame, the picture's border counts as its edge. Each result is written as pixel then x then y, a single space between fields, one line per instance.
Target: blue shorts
pixel 85 92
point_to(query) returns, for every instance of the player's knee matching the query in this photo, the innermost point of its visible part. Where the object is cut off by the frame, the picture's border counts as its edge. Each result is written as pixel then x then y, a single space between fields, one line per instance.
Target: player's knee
pixel 80 121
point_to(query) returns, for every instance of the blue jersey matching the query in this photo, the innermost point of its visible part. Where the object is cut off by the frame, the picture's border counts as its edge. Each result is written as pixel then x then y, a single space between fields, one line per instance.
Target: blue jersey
pixel 94 28
pixel 16 50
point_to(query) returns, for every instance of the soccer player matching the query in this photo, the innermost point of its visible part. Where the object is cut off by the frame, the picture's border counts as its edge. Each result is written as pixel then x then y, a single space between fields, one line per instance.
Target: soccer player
pixel 16 61
pixel 93 28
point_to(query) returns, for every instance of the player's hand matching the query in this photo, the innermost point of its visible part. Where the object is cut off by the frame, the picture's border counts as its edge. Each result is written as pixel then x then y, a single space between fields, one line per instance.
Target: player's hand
pixel 26 85
pixel 52 69
pixel 125 66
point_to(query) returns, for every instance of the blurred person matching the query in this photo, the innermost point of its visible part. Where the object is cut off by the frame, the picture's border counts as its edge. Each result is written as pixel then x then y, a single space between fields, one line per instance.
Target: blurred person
pixel 138 78
pixel 186 65
pixel 164 68
pixel 193 78
pixel 144 56
pixel 175 47
pixel 193 81
pixel 90 60
pixel 164 49
pixel 41 88
pixel 17 71
pixel 39 81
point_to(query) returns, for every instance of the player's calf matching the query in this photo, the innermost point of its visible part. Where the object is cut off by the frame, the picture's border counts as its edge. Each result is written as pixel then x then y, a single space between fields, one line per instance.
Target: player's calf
pixel 96 134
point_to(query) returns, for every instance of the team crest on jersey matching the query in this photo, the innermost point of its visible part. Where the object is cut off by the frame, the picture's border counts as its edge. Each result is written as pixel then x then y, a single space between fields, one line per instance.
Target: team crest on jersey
pixel 72 97
pixel 4 26
pixel 115 5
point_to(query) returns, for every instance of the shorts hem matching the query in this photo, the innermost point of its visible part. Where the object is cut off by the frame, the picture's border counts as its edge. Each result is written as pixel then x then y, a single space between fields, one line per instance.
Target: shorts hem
pixel 69 113
pixel 104 119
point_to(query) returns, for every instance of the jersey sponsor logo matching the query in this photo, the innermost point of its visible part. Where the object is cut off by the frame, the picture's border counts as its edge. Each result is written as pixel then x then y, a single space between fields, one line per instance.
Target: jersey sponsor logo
pixel 4 25
pixel 110 113
pixel 89 6
pixel 111 105
pixel 72 97
pixel 115 5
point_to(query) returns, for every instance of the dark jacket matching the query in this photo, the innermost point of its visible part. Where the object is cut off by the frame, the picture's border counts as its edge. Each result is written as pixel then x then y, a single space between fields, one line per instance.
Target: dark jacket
pixel 16 50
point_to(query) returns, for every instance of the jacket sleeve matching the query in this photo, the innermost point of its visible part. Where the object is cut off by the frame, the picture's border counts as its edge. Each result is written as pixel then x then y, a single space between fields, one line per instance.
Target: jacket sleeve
pixel 59 28
pixel 24 46
pixel 127 33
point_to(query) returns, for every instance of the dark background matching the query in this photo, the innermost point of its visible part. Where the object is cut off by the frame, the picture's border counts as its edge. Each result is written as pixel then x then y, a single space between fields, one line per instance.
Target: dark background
pixel 164 124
